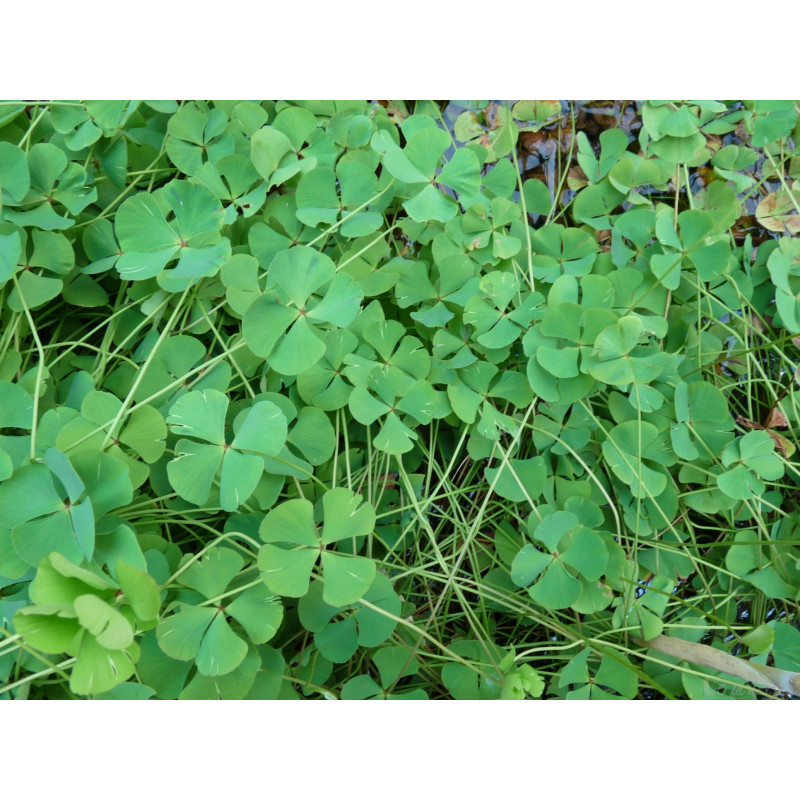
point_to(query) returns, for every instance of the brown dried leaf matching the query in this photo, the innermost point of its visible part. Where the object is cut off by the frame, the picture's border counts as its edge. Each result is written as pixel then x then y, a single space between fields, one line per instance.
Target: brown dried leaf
pixel 741 132
pixel 604 240
pixel 576 179
pixel 777 212
pixel 777 419
pixel 782 444
pixel 530 140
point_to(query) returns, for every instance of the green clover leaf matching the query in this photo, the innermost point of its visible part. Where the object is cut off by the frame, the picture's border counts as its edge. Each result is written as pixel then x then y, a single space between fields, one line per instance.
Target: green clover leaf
pixel 202 633
pixel 626 449
pixel 282 325
pixel 325 196
pixel 51 254
pixel 48 508
pixel 55 183
pixel 572 547
pixel 399 355
pixel 361 626
pixel 322 384
pixel 387 394
pixel 201 414
pixel 196 137
pixel 481 678
pixel 562 251
pixel 150 242
pixel 615 359
pixel 294 544
pixel 82 125
pixel 753 460
pixel 470 392
pixel 78 611
pixel 393 663
pixel 235 182
pixel 704 424
pixel 695 245
pixel 496 325
pixel 143 433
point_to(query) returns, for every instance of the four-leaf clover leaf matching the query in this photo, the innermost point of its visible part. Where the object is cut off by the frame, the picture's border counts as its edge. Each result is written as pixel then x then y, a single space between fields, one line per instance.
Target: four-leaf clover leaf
pixel 294 543
pixel 201 414
pixel 202 632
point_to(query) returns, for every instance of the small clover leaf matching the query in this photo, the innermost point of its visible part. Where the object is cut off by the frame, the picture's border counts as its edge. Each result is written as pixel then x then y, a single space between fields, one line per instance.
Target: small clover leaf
pixel 704 424
pixel 616 359
pixel 294 544
pixel 326 197
pixel 177 356
pixel 469 395
pixel 696 245
pixel 753 460
pixel 240 464
pixel 282 325
pixel 234 181
pixel 496 325
pixel 361 626
pixel 389 394
pixel 277 150
pixel 144 433
pixel 489 227
pixel 522 682
pixel 323 384
pixel 519 479
pixel 82 125
pixel 562 251
pixel 40 264
pixel 594 204
pixel 54 183
pixel 202 633
pixel 150 242
pixel 626 449
pixel 481 678
pixel 675 133
pixel 48 510
pixel 613 143
pixel 394 664
pixel 196 137
pixel 435 297
pixel 615 674
pixel 396 353
pixel 573 548
pixel 417 163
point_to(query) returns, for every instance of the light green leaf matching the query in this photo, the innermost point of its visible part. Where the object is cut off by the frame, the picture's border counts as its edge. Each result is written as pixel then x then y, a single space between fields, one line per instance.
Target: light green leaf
pixel 286 572
pixel 140 591
pixel 181 635
pixel 193 470
pixel 200 414
pixel 346 514
pixel 106 624
pixel 347 578
pixel 221 650
pixel 259 612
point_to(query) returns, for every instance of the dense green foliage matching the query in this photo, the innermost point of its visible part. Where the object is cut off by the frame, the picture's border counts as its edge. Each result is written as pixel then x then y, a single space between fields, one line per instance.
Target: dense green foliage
pixel 397 400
